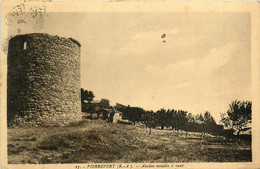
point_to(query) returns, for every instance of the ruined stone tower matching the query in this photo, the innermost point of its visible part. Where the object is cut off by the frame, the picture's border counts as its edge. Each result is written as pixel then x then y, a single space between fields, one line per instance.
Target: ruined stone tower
pixel 43 81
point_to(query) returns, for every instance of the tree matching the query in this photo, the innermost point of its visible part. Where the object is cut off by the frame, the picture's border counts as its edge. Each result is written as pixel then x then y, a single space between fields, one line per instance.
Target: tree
pixel 200 125
pixel 87 95
pixel 199 118
pixel 208 118
pixel 190 118
pixel 179 120
pixel 226 121
pixel 148 118
pixel 190 123
pixel 162 116
pixel 133 114
pixel 103 106
pixel 238 115
pixel 182 121
pixel 209 125
pixel 105 103
pixel 174 120
pixel 90 96
pixel 169 118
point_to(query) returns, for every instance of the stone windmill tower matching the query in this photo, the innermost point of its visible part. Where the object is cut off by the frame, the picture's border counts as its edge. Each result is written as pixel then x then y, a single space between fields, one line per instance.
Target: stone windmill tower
pixel 43 81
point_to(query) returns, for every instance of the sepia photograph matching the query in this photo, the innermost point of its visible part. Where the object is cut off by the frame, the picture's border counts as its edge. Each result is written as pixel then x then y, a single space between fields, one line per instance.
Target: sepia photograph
pixel 150 88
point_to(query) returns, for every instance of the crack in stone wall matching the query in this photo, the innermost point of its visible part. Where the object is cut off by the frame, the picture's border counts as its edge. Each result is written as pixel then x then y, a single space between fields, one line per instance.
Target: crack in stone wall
pixel 43 82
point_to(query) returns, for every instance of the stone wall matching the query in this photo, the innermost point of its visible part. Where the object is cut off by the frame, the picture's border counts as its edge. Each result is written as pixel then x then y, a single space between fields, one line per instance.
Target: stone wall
pixel 43 82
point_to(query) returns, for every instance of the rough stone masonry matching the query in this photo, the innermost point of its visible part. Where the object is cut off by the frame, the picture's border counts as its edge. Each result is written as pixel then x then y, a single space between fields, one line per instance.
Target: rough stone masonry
pixel 43 81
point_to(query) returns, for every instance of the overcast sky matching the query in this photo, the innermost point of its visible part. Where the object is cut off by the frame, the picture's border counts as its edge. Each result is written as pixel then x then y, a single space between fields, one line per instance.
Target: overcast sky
pixel 203 65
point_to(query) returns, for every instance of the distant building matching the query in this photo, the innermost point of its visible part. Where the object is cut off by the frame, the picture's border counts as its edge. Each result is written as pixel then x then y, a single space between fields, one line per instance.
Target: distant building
pixel 116 115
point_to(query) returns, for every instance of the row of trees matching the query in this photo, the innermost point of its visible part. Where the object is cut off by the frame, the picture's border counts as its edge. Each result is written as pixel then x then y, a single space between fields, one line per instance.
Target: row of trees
pixel 236 118
pixel 176 119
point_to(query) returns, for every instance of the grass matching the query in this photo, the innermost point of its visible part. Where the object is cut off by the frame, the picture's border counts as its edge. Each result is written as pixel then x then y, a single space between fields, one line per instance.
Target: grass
pixel 100 142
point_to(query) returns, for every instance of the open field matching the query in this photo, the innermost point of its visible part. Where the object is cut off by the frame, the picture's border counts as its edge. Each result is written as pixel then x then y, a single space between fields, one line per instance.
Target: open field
pixel 97 141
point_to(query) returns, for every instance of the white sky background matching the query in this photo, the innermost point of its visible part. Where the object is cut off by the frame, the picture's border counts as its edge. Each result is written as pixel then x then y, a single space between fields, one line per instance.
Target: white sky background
pixel 203 66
